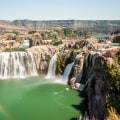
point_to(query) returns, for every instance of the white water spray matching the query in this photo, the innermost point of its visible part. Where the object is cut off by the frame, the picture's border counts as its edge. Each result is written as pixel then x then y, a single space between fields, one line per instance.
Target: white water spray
pixel 52 69
pixel 52 66
pixel 17 65
pixel 65 76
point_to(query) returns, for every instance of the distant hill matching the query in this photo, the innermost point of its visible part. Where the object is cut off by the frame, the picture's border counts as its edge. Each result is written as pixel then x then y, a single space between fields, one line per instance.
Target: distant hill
pixel 87 25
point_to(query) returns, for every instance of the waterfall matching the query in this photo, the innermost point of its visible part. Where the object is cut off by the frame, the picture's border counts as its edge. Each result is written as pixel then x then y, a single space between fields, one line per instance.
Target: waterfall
pixel 65 76
pixel 17 65
pixel 52 67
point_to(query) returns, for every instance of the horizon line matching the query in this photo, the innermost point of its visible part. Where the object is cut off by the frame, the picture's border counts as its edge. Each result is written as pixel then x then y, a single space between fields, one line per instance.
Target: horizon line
pixel 61 19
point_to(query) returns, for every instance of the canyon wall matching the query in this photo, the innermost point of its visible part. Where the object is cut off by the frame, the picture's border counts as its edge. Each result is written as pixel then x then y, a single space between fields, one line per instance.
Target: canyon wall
pixel 87 25
pixel 90 74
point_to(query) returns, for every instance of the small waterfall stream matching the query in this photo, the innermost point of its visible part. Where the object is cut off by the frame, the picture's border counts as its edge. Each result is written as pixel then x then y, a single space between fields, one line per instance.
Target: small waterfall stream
pixel 17 65
pixel 52 67
pixel 65 76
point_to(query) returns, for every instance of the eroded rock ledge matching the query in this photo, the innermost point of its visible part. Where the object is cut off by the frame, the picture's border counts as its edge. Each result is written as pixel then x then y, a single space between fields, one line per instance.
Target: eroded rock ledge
pixel 90 74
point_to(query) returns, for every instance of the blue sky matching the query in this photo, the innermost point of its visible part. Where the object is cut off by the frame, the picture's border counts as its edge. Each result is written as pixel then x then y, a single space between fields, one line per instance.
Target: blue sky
pixel 60 9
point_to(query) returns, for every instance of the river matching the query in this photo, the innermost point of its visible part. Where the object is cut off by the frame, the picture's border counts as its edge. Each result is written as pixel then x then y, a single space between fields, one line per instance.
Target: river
pixel 37 98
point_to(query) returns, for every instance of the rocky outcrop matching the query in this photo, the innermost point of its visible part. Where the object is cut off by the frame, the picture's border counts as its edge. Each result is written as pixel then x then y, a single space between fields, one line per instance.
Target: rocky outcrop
pixel 8 44
pixel 96 89
pixel 115 38
pixel 83 68
pixel 89 74
pixel 42 55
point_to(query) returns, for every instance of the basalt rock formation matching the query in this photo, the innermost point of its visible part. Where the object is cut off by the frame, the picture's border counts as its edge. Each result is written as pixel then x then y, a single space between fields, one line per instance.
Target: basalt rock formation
pixel 90 74
pixel 96 89
pixel 84 25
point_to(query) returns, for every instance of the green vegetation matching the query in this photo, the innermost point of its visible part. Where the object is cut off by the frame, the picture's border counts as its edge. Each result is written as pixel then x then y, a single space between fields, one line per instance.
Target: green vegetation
pixel 15 32
pixel 68 32
pixel 14 49
pixel 54 35
pixel 32 32
pixel 113 99
pixel 82 34
pixel 65 33
pixel 60 65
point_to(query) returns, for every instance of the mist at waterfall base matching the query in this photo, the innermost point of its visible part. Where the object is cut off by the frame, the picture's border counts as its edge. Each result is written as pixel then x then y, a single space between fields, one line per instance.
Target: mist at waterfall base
pixel 27 97
pixel 52 68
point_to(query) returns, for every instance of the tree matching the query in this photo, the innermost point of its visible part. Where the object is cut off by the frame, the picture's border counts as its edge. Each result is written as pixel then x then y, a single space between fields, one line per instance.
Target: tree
pixel 113 99
pixel 15 32
pixel 68 32
pixel 60 65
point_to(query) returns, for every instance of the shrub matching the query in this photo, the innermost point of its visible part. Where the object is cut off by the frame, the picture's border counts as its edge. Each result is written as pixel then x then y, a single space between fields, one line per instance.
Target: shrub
pixel 112 114
pixel 60 65
pixel 113 99
pixel 32 32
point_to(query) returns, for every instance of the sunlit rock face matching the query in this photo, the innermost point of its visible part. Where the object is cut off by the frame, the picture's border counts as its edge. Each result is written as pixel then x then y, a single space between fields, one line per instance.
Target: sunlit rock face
pixel 83 68
pixel 77 70
pixel 42 56
pixel 17 65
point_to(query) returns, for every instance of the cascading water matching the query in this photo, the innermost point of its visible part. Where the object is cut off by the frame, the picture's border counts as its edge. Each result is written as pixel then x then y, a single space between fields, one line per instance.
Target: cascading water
pixel 65 76
pixel 17 65
pixel 52 67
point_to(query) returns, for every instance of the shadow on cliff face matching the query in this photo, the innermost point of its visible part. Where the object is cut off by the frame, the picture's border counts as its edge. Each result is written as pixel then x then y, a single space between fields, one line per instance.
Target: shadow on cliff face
pixel 82 106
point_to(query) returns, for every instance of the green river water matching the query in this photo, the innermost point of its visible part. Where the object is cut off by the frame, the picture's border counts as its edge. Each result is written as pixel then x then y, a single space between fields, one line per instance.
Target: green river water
pixel 35 98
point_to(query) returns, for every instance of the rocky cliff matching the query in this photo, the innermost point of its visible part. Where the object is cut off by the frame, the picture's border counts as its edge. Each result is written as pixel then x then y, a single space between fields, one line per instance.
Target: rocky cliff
pixel 87 25
pixel 90 74
pixel 43 54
